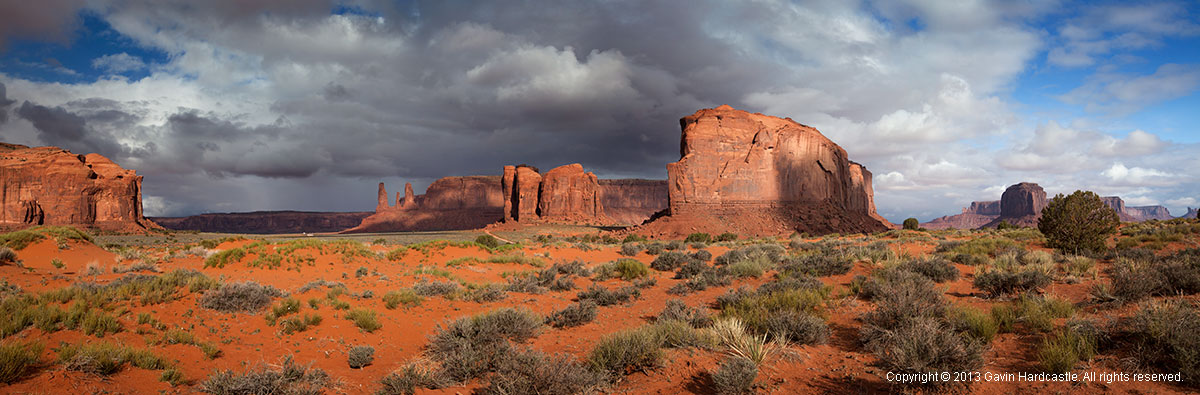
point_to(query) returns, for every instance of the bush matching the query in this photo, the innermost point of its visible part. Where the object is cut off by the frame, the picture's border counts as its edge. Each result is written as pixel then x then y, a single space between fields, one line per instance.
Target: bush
pixel 471 346
pixel 409 377
pixel 364 319
pixel 936 269
pixel 8 255
pixel 727 237
pixel 901 296
pixel 107 358
pixel 669 261
pixel 735 376
pixel 1137 278
pixel 999 282
pixel 819 265
pixel 1078 222
pixel 17 360
pixel 698 238
pixel 1060 351
pixel 1167 335
pixel 677 310
pixel 911 224
pixel 244 297
pixel 631 249
pixel 226 257
pixel 629 269
pixel 605 297
pixel 360 356
pixel 655 248
pixel 977 323
pixel 923 345
pixel 626 352
pixel 573 315
pixel 428 288
pixel 533 372
pixel 406 297
pixel 488 241
pixel 1005 317
pixel 756 310
pixel 288 378
pixel 798 328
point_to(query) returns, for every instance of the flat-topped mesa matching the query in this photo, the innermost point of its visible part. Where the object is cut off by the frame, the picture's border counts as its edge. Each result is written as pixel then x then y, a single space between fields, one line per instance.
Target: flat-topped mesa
pixel 1021 205
pixel 762 175
pixel 1136 214
pixel 983 208
pixel 51 186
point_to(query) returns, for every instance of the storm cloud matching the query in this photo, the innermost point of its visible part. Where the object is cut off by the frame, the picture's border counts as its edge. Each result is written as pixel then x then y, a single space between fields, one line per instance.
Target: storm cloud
pixel 286 105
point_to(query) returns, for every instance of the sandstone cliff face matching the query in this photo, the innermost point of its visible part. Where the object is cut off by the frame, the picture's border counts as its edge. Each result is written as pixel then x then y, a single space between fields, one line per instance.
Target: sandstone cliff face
pixel 632 201
pixel 449 203
pixel 1146 213
pixel 983 208
pixel 51 186
pixel 1021 205
pixel 737 167
pixel 265 222
pixel 569 193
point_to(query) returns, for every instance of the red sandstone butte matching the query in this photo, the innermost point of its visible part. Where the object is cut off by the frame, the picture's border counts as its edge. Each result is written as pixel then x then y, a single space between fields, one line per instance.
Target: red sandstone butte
pixel 450 203
pixel 762 175
pixel 51 186
pixel 570 194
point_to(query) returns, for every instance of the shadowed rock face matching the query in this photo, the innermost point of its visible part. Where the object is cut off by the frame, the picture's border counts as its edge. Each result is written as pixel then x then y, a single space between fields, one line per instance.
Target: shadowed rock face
pixel 1021 200
pixel 449 203
pixel 736 166
pixel 51 186
pixel 265 222
pixel 632 201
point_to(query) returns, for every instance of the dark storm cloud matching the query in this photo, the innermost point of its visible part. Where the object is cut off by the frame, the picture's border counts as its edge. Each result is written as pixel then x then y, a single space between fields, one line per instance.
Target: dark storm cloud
pixel 60 127
pixel 5 102
pixel 48 20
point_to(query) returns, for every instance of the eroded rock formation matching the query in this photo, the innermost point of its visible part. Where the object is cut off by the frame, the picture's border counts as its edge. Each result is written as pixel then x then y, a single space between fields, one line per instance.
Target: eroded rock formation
pixel 449 203
pixel 265 222
pixel 51 186
pixel 757 174
pixel 1022 205
pixel 632 201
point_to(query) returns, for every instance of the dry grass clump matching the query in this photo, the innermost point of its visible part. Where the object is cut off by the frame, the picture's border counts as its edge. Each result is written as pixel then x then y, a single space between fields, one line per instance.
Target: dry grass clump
pixel 534 372
pixel 286 378
pixel 240 297
pixel 573 315
pixel 17 360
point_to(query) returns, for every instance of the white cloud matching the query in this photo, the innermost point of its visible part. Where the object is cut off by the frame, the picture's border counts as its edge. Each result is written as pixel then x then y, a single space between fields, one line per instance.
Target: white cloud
pixel 1136 176
pixel 118 63
pixel 1117 94
pixel 1185 201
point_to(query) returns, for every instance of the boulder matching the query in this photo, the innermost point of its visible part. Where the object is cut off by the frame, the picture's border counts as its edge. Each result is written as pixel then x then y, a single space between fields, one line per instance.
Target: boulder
pixel 763 175
pixel 51 186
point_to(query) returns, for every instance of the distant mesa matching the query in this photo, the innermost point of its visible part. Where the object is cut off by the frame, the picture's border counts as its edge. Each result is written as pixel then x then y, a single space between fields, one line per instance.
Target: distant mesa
pixel 755 174
pixel 51 186
pixel 1022 203
pixel 265 222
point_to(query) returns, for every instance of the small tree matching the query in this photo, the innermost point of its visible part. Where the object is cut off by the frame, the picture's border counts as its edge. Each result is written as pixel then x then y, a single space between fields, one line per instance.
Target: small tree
pixel 1004 225
pixel 1078 222
pixel 912 224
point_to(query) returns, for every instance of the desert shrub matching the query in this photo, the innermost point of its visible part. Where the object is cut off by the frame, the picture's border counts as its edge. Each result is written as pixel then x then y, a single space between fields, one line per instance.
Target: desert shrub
pixel 734 376
pixel 488 241
pixel 798 328
pixel 626 352
pixel 406 297
pixel 408 378
pixel 1078 222
pixel 434 288
pixel 631 249
pixel 669 261
pixel 902 296
pixel 1039 312
pixel 977 323
pixel 698 238
pixel 731 333
pixel 288 378
pixel 172 376
pixel 17 360
pixel 727 236
pixel 1166 335
pixel 819 265
pixel 285 307
pixel 691 269
pixel 1006 317
pixel 1060 351
pixel 605 297
pixel 106 358
pixel 8 255
pixel 220 259
pixel 923 344
pixel 679 334
pixel 98 324
pixel 629 269
pixel 935 268
pixel 239 297
pixel 360 356
pixel 1079 266
pixel 1137 278
pixel 469 347
pixel 1001 282
pixel 677 310
pixel 487 293
pixel 299 324
pixel 573 268
pixel 1004 225
pixel 911 224
pixel 533 372
pixel 674 245
pixel 655 248
pixel 763 255
pixel 364 319
pixel 756 310
pixel 573 315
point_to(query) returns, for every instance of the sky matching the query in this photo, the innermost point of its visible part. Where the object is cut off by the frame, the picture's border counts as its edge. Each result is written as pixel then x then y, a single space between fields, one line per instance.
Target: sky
pixel 228 105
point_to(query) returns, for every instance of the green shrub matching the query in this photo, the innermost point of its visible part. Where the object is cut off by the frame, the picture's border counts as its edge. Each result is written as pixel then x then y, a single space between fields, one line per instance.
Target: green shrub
pixel 819 265
pixel 698 238
pixel 669 261
pixel 573 315
pixel 239 297
pixel 298 324
pixel 1078 222
pixel 488 241
pixel 405 297
pixel 360 356
pixel 226 257
pixel 626 352
pixel 911 224
pixel 364 319
pixel 975 322
pixel 935 268
pixel 1039 312
pixel 1006 317
pixel 629 269
pixel 1000 282
pixel 18 360
pixel 106 358
pixel 655 248
pixel 288 378
pixel 1166 335
pixel 533 372
pixel 173 377
pixel 1060 351
pixel 735 376
pixel 798 328
pixel 727 236
pixel 285 307
pixel 756 310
